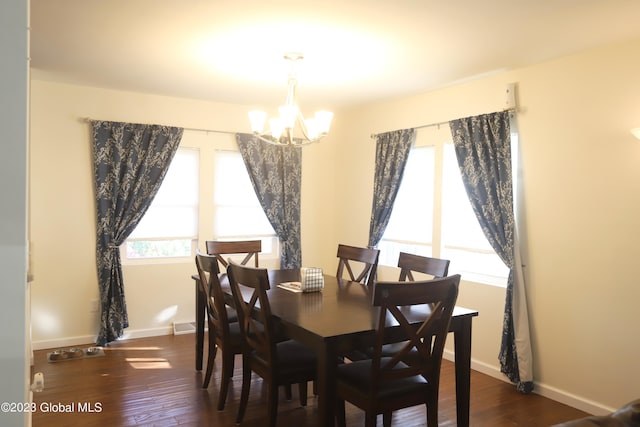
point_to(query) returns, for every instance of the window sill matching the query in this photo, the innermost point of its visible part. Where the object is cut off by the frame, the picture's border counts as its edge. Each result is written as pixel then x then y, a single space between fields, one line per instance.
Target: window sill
pixel 482 279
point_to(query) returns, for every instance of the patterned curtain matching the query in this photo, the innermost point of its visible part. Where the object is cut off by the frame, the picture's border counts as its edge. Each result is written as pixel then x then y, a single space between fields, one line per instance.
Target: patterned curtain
pixel 483 149
pixel 130 162
pixel 392 152
pixel 276 173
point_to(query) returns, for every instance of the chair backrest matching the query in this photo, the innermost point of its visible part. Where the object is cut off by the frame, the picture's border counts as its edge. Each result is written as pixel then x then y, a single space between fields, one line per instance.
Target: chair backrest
pixel 409 263
pixel 428 339
pixel 367 256
pixel 254 311
pixel 220 248
pixel 208 272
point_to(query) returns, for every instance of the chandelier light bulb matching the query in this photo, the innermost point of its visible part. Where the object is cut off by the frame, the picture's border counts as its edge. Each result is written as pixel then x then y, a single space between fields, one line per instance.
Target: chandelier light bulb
pixel 323 119
pixel 277 126
pixel 288 115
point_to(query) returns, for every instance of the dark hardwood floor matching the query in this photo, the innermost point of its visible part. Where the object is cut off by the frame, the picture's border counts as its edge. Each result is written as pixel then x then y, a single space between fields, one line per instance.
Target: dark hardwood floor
pixel 152 382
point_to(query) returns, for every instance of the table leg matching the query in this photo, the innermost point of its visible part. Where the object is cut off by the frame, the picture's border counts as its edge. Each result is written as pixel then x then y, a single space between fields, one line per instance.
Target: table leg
pixel 462 345
pixel 326 380
pixel 200 314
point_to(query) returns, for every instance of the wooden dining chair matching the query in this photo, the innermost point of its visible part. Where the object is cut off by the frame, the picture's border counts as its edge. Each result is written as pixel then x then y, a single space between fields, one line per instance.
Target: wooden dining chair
pixel 382 385
pixel 277 362
pixel 219 248
pixel 224 329
pixel 410 263
pixel 367 256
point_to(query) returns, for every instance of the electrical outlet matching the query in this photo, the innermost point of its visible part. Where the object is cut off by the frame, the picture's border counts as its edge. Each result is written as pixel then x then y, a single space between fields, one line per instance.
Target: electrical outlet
pixel 94 306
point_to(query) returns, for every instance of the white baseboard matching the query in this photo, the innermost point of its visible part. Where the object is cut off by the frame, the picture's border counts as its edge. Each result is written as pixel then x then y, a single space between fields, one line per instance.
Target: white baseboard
pixel 64 342
pixel 561 396
pixel 578 402
pixel 91 339
pixel 145 333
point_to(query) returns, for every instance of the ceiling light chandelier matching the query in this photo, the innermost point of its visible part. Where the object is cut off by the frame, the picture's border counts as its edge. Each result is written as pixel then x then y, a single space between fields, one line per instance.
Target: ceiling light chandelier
pixel 281 130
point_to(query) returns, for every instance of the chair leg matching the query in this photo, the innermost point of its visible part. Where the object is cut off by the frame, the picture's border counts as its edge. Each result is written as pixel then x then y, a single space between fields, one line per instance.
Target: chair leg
pixel 227 373
pixel 370 419
pixel 272 410
pixel 302 391
pixel 287 391
pixel 341 418
pixel 244 395
pixel 386 419
pixel 210 359
pixel 432 413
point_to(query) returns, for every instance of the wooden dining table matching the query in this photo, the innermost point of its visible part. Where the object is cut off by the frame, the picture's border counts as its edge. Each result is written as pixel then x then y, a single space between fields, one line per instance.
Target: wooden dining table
pixel 339 319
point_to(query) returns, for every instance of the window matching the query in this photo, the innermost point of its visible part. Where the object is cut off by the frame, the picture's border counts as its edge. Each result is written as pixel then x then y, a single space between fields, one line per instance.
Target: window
pixel 169 228
pixel 410 227
pixel 462 237
pixel 432 215
pixel 205 195
pixel 237 210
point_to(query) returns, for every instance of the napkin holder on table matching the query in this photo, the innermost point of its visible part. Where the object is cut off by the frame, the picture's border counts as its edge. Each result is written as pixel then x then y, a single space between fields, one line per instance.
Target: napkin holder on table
pixel 311 279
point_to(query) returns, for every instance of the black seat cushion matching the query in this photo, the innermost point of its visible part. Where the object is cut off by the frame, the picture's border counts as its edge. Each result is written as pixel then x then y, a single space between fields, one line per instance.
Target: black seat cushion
pixel 292 357
pixel 357 376
pixel 232 314
pixel 236 334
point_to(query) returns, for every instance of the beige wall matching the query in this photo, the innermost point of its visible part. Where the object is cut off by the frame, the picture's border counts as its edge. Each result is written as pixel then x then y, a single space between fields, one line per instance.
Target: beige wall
pixel 581 208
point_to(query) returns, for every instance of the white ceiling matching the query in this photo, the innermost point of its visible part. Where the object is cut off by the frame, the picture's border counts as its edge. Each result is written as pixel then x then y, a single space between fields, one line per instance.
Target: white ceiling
pixel 355 51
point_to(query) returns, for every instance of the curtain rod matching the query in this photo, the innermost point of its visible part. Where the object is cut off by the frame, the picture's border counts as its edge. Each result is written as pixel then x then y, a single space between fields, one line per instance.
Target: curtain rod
pixel 89 119
pixel 211 131
pixel 430 125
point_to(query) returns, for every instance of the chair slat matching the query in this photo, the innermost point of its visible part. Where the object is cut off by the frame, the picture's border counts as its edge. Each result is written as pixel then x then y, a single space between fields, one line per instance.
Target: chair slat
pixel 367 256
pixel 220 248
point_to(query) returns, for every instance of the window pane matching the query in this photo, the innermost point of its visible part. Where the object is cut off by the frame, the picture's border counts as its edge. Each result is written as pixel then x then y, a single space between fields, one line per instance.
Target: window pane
pixel 463 239
pixel 411 223
pixel 232 184
pixel 460 226
pixel 170 225
pixel 237 210
pixel 390 251
pixel 167 221
pixel 158 248
pixel 412 216
pixel 241 221
pixel 174 211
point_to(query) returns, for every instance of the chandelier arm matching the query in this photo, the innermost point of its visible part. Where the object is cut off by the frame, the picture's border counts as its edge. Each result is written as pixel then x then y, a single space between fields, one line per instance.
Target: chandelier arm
pixel 303 127
pixel 305 132
pixel 270 140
